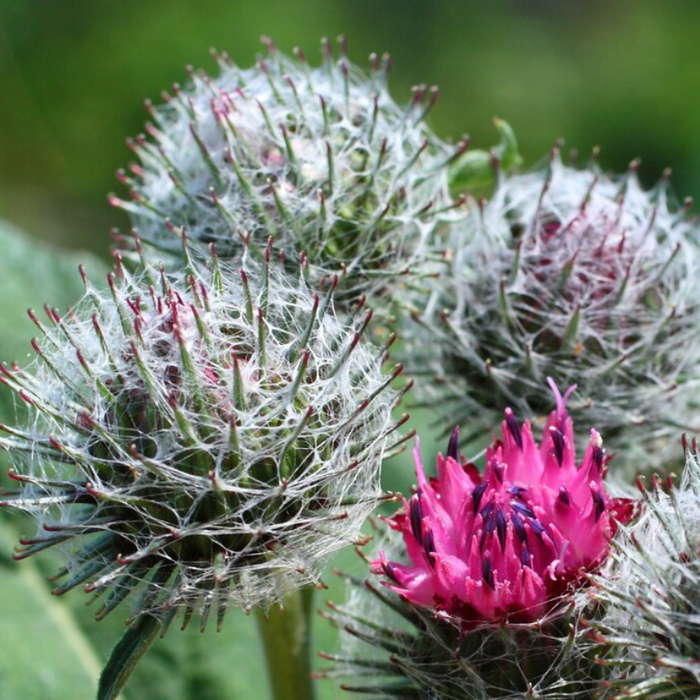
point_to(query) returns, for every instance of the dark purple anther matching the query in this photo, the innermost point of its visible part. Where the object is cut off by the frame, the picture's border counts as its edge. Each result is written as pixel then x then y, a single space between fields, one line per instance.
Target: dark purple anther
pixel 389 569
pixel 489 520
pixel 514 428
pixel 501 527
pixel 598 454
pixel 487 572
pixel 564 496
pixel 518 527
pixel 523 509
pixel 538 528
pixel 599 503
pixel 429 546
pixel 453 445
pixel 516 491
pixel 558 443
pixel 498 470
pixel 477 493
pixel 525 555
pixel 416 515
pixel 487 510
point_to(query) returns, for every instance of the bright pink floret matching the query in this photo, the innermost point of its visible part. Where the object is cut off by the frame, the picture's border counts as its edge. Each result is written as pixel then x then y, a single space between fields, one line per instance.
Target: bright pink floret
pixel 508 545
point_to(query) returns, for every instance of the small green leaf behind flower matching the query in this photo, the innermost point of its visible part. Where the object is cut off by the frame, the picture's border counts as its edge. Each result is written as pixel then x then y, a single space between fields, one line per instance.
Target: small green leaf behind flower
pixel 477 168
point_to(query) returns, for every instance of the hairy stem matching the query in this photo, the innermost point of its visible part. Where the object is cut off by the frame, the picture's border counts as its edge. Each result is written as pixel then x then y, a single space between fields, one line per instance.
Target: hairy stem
pixel 286 636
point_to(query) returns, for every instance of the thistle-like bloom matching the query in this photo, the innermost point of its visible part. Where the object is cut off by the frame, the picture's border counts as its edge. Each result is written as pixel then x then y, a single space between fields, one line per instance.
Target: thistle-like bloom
pixel 650 594
pixel 507 546
pixel 584 277
pixel 205 440
pixel 320 158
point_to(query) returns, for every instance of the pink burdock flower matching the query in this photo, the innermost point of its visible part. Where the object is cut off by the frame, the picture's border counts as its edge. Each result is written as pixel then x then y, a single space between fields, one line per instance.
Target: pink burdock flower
pixel 506 546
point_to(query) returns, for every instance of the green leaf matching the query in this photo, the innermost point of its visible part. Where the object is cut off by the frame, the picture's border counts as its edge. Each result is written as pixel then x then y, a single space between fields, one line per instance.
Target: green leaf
pixel 476 168
pixel 44 654
pixel 189 665
pixel 128 652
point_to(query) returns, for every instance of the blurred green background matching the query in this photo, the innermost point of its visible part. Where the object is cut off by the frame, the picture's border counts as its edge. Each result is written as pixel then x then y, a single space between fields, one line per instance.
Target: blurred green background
pixel 622 74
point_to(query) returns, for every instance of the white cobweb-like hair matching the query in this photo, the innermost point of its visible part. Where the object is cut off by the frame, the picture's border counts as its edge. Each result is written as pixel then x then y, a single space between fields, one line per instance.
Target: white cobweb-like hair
pixel 320 158
pixel 649 634
pixel 581 276
pixel 200 440
pixel 391 650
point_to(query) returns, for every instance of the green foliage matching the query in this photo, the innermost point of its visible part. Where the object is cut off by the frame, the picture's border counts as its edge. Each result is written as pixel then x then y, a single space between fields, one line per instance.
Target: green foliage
pixel 126 655
pixel 44 655
pixel 476 168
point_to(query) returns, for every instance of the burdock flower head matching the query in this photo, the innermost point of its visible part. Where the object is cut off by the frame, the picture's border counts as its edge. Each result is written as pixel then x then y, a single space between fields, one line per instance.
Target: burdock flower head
pixel 585 277
pixel 507 546
pixel 321 158
pixel 203 440
pixel 491 603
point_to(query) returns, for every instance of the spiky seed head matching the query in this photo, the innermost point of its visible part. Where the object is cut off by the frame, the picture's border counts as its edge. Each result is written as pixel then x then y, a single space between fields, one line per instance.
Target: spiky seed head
pixel 203 440
pixel 649 634
pixel 321 158
pixel 584 277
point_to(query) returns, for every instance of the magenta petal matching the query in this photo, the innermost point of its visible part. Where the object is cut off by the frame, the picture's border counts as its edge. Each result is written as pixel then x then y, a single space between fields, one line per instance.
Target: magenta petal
pixel 418 588
pixel 423 483
pixel 521 463
pixel 453 485
pixel 450 576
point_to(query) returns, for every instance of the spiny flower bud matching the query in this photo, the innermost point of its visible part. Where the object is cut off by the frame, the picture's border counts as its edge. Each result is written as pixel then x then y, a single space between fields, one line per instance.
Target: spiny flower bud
pixel 583 277
pixel 649 634
pixel 204 440
pixel 508 545
pixel 322 159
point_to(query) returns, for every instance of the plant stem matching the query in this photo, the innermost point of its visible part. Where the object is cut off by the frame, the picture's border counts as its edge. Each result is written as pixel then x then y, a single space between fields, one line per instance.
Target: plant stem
pixel 286 636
